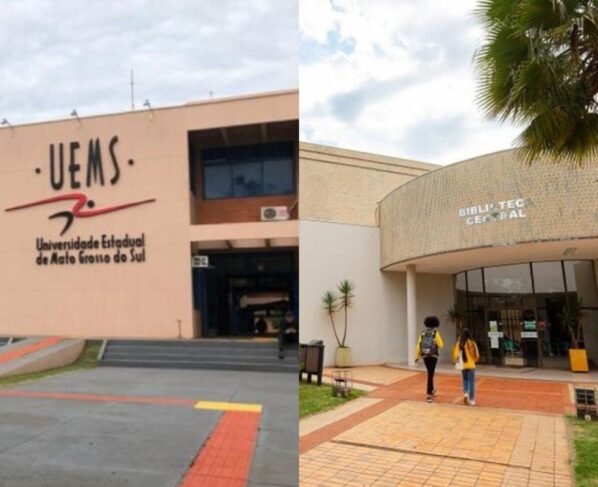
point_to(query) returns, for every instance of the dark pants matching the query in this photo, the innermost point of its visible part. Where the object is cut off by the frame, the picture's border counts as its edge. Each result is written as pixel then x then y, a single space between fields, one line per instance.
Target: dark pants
pixel 430 363
pixel 286 340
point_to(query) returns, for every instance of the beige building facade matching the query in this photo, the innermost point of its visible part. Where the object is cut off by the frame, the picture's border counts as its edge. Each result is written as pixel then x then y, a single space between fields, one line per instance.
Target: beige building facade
pixel 103 219
pixel 505 245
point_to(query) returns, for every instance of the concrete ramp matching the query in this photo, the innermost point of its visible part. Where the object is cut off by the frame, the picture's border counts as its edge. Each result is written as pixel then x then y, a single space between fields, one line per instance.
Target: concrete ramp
pixel 38 354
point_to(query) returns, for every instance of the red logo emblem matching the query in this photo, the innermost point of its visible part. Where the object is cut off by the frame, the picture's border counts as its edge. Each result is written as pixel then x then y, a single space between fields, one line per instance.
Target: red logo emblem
pixel 79 208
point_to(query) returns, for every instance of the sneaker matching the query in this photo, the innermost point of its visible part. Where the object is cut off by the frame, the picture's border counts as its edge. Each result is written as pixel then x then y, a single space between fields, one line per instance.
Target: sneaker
pixel 429 398
pixel 465 399
pixel 472 403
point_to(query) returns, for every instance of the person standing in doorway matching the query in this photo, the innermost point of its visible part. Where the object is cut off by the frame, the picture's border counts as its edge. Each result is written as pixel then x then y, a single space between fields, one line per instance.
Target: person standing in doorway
pixel 288 332
pixel 465 356
pixel 261 327
pixel 427 348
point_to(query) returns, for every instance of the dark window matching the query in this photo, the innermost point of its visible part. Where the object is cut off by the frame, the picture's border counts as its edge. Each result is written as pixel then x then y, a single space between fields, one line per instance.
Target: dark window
pixel 251 170
pixel 217 182
pixel 247 179
pixel 278 170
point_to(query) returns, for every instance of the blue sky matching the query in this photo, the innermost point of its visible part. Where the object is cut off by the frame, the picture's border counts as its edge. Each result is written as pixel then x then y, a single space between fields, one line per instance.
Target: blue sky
pixel 394 77
pixel 56 55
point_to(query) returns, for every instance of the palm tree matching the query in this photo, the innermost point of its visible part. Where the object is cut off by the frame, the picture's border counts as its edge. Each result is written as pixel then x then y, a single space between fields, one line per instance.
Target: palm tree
pixel 329 303
pixel 538 68
pixel 345 289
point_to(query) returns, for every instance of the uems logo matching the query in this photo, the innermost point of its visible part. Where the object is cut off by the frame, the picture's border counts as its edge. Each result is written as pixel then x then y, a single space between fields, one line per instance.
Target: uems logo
pixel 94 175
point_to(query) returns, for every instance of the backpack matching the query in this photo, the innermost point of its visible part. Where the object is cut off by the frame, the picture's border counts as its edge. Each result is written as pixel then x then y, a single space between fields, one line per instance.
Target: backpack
pixel 429 348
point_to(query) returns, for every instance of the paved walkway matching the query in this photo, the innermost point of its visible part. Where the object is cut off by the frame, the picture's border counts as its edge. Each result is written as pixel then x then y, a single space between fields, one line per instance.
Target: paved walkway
pixel 529 373
pixel 150 428
pixel 376 375
pixel 516 436
pixel 27 347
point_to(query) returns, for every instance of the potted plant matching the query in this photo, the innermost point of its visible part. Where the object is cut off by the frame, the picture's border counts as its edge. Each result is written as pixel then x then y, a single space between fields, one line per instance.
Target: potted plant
pixel 572 318
pixel 333 302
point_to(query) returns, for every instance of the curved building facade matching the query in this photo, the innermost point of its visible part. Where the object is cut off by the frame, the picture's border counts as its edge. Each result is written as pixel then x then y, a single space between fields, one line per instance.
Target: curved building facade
pixel 487 210
pixel 504 244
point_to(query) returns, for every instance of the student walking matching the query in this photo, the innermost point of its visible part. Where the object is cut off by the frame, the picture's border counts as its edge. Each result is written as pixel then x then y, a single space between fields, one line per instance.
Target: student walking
pixel 465 356
pixel 428 346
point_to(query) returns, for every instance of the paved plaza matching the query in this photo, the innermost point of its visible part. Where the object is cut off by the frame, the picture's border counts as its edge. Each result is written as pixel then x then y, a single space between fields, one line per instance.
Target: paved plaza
pixel 516 436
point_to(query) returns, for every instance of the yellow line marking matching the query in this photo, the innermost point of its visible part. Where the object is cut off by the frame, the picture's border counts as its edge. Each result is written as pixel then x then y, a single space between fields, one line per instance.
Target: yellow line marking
pixel 228 406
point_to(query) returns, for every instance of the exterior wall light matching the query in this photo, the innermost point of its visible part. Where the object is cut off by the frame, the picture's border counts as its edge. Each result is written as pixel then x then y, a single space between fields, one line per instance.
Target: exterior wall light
pixel 7 123
pixel 76 115
pixel 147 104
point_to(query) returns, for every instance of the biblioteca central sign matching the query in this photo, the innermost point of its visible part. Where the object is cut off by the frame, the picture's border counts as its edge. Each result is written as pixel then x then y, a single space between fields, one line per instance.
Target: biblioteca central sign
pixel 494 212
pixel 75 170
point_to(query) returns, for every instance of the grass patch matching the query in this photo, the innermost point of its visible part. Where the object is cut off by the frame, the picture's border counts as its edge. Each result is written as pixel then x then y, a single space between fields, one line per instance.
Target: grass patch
pixel 316 399
pixel 585 441
pixel 87 360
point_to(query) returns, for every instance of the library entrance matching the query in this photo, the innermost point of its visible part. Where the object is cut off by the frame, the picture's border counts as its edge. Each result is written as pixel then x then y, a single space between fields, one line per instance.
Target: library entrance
pixel 513 337
pixel 516 312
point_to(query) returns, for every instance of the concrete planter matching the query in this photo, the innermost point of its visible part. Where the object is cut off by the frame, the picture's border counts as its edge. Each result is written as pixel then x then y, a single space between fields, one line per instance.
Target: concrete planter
pixel 578 360
pixel 342 357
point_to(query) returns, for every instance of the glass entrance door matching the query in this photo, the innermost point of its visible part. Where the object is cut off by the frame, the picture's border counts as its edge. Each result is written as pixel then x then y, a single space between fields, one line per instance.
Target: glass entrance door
pixel 516 310
pixel 513 337
pixel 529 338
pixel 244 294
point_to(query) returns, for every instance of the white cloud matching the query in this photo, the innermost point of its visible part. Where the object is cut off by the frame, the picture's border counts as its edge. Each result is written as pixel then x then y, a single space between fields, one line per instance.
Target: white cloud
pixel 395 77
pixel 56 55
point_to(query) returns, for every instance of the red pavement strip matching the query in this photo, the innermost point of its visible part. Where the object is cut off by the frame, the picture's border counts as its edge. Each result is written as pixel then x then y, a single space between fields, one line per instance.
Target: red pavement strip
pixel 28 349
pixel 162 401
pixel 225 460
pixel 515 394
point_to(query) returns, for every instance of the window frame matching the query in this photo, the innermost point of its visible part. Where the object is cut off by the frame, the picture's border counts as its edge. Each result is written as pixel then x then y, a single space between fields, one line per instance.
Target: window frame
pixel 230 165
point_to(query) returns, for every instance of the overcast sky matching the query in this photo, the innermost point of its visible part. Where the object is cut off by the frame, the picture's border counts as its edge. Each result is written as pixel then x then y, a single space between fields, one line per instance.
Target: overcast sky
pixel 56 55
pixel 394 77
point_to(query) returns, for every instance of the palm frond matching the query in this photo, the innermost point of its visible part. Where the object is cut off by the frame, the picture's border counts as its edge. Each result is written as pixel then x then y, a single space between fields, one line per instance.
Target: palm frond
pixel 538 68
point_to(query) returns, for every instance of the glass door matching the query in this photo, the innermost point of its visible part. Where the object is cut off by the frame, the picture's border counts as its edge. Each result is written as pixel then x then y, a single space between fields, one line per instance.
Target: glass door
pixel 529 338
pixel 511 322
pixel 513 336
pixel 496 337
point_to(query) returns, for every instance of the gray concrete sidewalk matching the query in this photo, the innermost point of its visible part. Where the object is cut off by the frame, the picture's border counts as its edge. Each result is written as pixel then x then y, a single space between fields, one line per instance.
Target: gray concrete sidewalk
pixel 73 443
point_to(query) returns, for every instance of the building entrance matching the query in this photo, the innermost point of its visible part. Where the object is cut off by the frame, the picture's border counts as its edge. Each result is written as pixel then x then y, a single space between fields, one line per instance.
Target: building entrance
pixel 516 312
pixel 513 336
pixel 245 294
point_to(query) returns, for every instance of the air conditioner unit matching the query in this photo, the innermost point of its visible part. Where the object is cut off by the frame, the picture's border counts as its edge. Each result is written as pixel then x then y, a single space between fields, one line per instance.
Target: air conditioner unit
pixel 273 213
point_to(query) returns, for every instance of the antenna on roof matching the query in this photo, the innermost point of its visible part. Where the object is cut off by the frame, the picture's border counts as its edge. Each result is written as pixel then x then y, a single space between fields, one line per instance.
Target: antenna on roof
pixel 132 89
